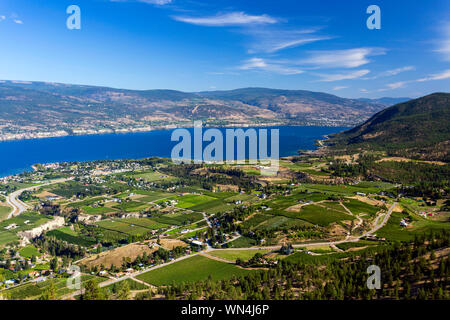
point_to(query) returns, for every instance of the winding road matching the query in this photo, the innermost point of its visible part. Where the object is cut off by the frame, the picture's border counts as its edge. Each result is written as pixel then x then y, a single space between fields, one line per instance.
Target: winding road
pixel 18 205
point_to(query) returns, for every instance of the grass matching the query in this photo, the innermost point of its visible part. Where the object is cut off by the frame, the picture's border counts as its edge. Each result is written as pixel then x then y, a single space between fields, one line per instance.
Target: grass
pixel 357 207
pixel 190 270
pixel 232 255
pixel 393 231
pixel 28 252
pixel 4 212
pixel 321 216
pixel 243 242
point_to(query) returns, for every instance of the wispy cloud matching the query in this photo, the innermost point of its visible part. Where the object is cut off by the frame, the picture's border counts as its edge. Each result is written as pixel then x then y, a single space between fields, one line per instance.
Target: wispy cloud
pixel 263 65
pixel 390 73
pixel 227 19
pixel 397 85
pixel 349 58
pixel 343 76
pixel 444 43
pixel 339 88
pixel 155 2
pixel 271 39
pixel 439 76
pixel 2 18
pixel 432 77
pixel 18 21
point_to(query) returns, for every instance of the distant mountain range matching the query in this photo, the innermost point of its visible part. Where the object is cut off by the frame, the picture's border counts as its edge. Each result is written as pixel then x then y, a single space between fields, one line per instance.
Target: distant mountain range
pixel 386 101
pixel 417 129
pixel 39 109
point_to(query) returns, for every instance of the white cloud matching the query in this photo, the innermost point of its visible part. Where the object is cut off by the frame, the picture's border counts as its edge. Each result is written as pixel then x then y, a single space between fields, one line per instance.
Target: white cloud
pixel 295 43
pixel 433 77
pixel 261 64
pixel 18 21
pixel 156 2
pixel 396 71
pixel 2 18
pixel 439 76
pixel 444 43
pixel 271 39
pixel 350 58
pixel 397 85
pixel 339 88
pixel 228 19
pixel 344 76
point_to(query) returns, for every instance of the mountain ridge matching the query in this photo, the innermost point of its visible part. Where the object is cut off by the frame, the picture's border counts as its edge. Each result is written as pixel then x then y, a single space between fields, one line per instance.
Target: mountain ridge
pixel 417 129
pixel 31 109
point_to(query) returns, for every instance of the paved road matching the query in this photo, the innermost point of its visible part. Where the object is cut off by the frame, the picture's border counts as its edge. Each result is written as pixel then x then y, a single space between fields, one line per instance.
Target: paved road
pixel 19 206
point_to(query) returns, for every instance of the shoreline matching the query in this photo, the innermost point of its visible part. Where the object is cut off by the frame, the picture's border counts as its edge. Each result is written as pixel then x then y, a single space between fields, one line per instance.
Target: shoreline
pixel 61 133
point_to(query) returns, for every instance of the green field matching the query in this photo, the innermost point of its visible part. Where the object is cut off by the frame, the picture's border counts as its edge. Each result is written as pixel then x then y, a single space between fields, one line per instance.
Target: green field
pixel 97 210
pixel 321 216
pixel 358 207
pixel 28 252
pixel 232 255
pixel 71 236
pixel 191 270
pixel 131 206
pixel 34 220
pixel 131 226
pixel 31 291
pixel 178 218
pixel 4 212
pixel 152 176
pixel 393 231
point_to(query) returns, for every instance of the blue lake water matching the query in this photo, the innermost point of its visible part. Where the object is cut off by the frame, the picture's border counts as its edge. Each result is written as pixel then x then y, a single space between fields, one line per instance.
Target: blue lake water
pixel 18 156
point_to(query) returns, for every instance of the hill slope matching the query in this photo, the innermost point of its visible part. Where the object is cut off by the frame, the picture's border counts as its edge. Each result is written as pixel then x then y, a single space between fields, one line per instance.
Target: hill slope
pixel 30 108
pixel 418 129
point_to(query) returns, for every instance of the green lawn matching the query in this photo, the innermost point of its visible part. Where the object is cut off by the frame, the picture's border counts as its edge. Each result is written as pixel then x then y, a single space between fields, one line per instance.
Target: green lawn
pixel 191 270
pixel 28 252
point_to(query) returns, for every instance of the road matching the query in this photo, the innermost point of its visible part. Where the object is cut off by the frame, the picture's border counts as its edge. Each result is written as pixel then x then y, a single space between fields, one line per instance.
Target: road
pixel 18 205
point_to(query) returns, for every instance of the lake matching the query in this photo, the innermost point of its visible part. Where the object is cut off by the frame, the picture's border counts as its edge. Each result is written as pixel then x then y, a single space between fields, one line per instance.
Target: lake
pixel 19 155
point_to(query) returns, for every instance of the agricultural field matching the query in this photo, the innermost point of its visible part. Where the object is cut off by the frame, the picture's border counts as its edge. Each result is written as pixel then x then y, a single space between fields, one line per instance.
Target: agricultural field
pixel 178 218
pixel 130 226
pixel 153 176
pixel 393 231
pixel 32 291
pixel 34 220
pixel 322 217
pixel 357 207
pixel 71 236
pixel 131 206
pixel 232 255
pixel 192 269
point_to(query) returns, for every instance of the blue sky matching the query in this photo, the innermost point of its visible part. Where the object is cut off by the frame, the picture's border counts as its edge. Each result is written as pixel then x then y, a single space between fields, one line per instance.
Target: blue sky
pixel 196 45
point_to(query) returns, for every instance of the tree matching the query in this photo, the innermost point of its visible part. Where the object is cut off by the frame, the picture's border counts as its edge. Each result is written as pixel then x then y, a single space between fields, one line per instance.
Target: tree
pixel 123 291
pixel 49 293
pixel 54 264
pixel 92 291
